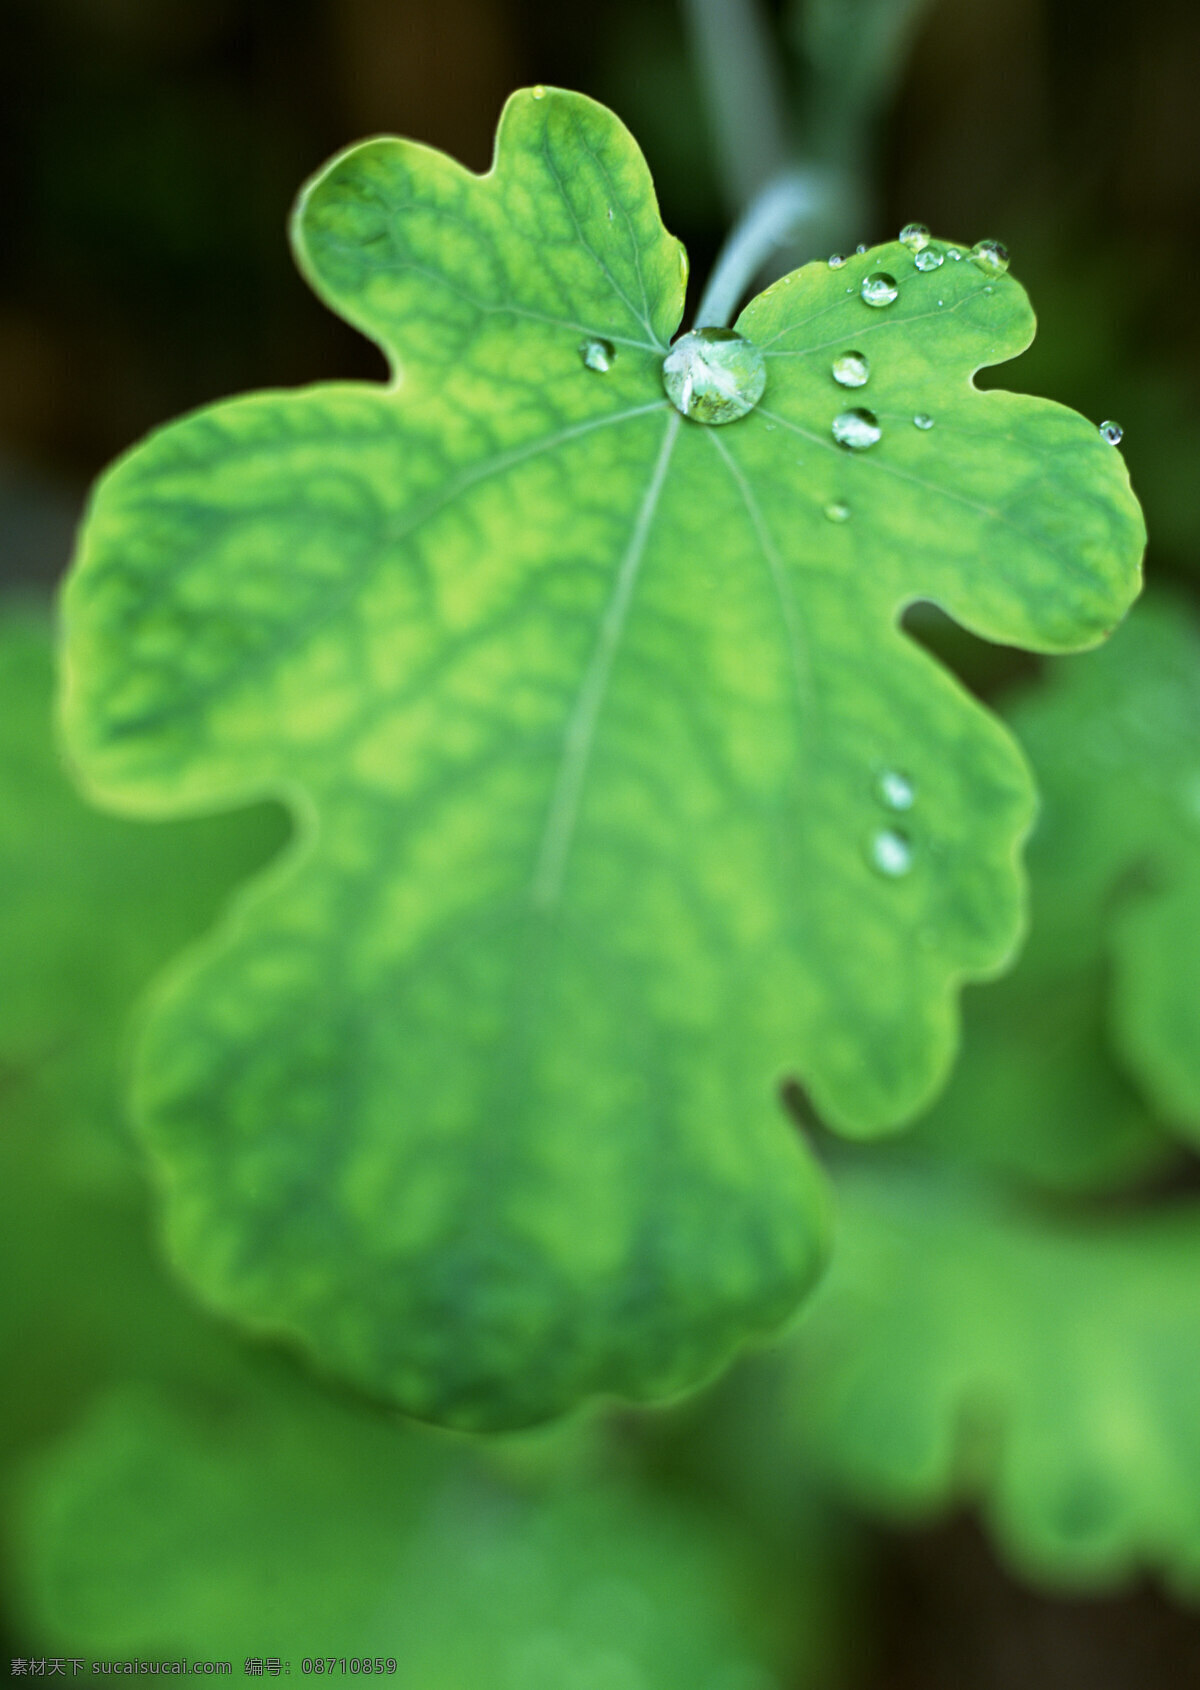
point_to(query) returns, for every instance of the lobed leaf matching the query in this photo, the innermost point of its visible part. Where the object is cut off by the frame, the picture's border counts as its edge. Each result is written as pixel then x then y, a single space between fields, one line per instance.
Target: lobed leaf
pixel 90 907
pixel 967 1346
pixel 162 1529
pixel 582 708
pixel 1117 743
pixel 1101 1005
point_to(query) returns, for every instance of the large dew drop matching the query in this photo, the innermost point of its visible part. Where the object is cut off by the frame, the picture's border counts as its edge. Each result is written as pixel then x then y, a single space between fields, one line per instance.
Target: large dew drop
pixel 856 429
pixel 851 369
pixel 714 375
pixel 598 354
pixel 891 853
pixel 929 258
pixel 990 256
pixel 915 236
pixel 879 288
pixel 1112 432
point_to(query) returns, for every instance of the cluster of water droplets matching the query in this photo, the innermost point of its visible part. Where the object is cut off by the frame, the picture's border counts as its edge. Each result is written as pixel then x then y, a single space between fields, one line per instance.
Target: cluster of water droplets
pixel 890 851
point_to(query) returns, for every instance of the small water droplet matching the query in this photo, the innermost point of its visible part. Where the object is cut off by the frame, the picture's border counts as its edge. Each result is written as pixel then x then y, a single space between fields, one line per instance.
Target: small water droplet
pixel 857 429
pixel 879 290
pixel 598 354
pixel 714 375
pixel 1112 432
pixel 954 253
pixel 929 258
pixel 851 369
pixel 990 256
pixel 611 214
pixel 891 852
pixel 941 301
pixel 915 236
pixel 861 247
pixel 922 420
pixel 895 790
pixel 837 510
pixel 836 261
pixel 539 93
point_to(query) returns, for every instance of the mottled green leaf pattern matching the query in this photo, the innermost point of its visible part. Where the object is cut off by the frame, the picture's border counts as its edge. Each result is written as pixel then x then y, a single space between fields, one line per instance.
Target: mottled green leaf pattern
pixel 583 709
pixel 90 908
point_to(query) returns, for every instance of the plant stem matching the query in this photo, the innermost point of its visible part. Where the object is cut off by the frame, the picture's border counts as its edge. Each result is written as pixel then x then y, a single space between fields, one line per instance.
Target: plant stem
pixel 775 218
pixel 739 71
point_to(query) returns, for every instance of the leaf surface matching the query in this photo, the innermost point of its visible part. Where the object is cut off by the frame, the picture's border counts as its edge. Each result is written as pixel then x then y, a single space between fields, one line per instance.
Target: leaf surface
pixel 583 708
pixel 1116 740
pixel 278 1524
pixel 91 907
pixel 965 1346
pixel 1103 1002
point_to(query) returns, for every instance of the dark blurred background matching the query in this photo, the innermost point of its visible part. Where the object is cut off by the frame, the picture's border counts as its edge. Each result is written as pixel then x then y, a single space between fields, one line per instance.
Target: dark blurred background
pixel 150 151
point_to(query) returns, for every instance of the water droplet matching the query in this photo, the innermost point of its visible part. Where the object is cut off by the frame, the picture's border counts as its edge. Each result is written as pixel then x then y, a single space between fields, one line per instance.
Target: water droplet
pixel 990 256
pixel 1112 432
pixel 857 429
pixel 895 790
pixel 539 93
pixel 836 261
pixel 891 853
pixel 837 510
pixel 929 258
pixel 954 253
pixel 851 369
pixel 598 354
pixel 611 214
pixel 922 420
pixel 915 236
pixel 879 290
pixel 861 247
pixel 714 375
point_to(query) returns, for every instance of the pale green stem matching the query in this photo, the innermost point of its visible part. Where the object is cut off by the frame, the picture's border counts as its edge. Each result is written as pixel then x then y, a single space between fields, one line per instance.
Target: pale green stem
pixel 776 218
pixel 739 72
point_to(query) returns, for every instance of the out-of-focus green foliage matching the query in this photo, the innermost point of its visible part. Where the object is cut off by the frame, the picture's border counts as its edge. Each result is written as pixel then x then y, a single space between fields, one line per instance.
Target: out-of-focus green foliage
pixel 290 1526
pixel 976 1337
pixel 591 716
pixel 179 1493
pixel 966 1345
pixel 1104 1004
pixel 91 907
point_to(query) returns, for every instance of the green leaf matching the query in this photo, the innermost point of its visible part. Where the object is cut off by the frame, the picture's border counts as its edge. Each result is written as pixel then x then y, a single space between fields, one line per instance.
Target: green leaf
pixel 1102 1005
pixel 90 908
pixel 582 708
pixel 1117 740
pixel 967 1346
pixel 278 1524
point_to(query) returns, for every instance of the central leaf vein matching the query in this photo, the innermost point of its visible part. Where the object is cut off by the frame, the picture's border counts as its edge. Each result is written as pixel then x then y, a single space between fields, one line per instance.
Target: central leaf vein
pixel 580 732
